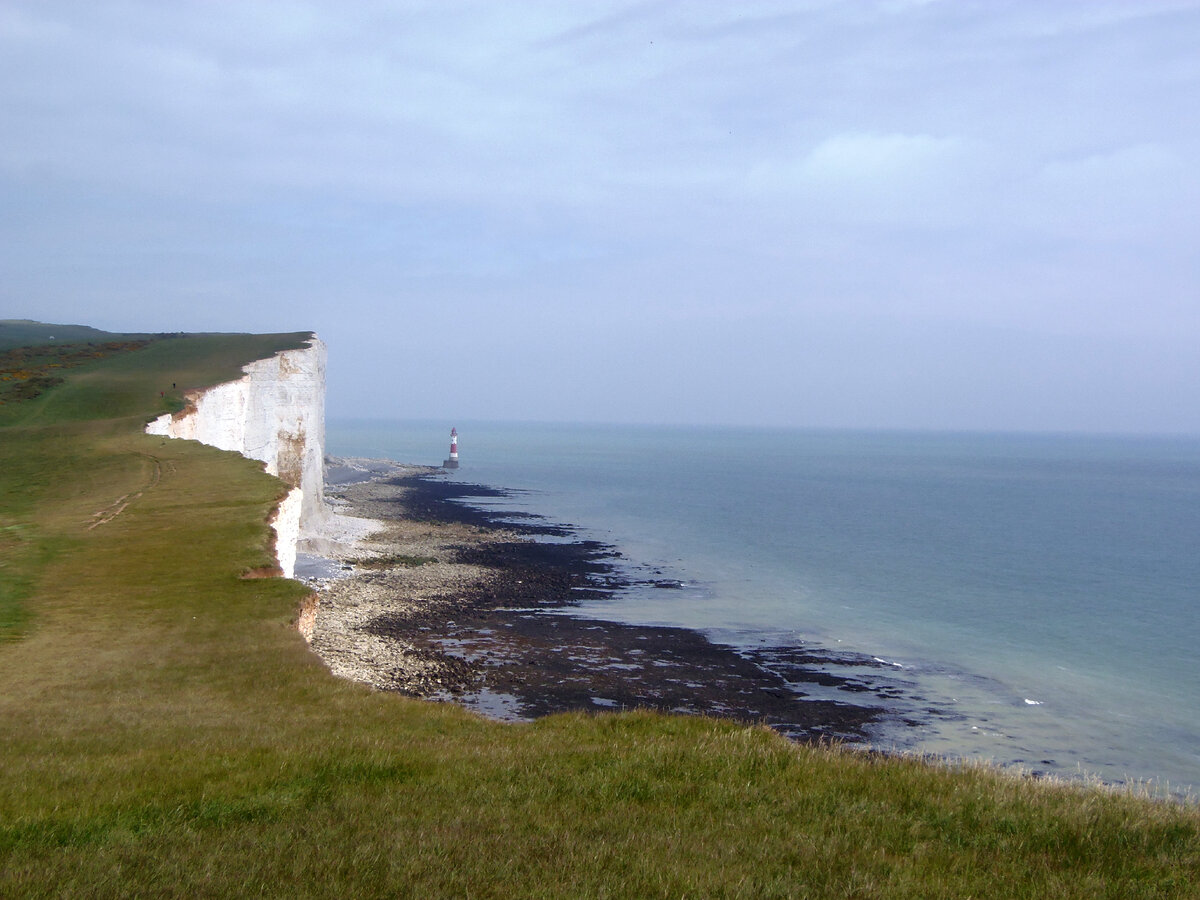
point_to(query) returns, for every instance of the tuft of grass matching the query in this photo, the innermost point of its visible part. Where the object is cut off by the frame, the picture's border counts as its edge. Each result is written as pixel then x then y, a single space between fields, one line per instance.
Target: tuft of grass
pixel 166 732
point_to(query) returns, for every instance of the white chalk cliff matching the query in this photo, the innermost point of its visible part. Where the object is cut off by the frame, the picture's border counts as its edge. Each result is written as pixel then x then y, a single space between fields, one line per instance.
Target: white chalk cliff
pixel 274 413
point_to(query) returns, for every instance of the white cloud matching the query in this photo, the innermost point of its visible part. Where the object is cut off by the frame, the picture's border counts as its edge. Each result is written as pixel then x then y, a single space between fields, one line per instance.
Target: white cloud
pixel 1139 191
pixel 901 179
pixel 1017 164
pixel 878 158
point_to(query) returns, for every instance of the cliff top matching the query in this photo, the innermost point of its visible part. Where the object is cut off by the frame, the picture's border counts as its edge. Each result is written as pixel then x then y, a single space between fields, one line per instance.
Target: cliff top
pixel 137 375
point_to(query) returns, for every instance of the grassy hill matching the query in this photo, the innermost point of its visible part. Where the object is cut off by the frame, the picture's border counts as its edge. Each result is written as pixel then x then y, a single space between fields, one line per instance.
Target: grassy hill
pixel 27 333
pixel 166 732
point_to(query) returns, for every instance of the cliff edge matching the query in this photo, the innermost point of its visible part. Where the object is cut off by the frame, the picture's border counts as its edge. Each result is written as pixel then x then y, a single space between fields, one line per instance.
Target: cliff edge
pixel 274 413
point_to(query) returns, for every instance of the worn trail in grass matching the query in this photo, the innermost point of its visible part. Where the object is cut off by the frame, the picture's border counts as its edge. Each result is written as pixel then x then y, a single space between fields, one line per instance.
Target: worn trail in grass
pixel 166 731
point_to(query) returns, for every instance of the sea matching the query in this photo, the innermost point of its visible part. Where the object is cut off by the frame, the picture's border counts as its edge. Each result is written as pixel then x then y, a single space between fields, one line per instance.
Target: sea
pixel 1032 600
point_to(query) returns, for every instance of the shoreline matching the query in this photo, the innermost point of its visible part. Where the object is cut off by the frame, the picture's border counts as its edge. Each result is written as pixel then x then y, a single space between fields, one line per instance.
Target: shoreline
pixel 453 602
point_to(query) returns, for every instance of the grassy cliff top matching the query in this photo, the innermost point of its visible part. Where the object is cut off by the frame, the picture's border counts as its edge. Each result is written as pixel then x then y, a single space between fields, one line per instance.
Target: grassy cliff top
pixel 28 333
pixel 116 375
pixel 167 732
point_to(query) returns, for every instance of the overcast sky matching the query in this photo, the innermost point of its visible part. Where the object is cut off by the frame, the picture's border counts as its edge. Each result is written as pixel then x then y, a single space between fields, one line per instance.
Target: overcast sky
pixel 869 213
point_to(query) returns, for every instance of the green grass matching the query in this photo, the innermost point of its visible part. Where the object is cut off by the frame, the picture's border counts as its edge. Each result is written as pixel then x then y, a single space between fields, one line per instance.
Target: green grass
pixel 28 333
pixel 28 372
pixel 166 732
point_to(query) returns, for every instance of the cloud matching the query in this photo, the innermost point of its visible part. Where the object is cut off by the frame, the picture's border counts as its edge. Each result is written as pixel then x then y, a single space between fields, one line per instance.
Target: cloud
pixel 602 175
pixel 1142 191
pixel 900 178
pixel 878 158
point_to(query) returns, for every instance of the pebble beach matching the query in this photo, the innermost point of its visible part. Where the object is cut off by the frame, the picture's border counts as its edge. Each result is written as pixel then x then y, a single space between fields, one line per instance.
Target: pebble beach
pixel 431 596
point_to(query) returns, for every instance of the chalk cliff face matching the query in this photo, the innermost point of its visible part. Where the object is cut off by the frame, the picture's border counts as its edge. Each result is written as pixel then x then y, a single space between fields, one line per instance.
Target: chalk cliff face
pixel 274 413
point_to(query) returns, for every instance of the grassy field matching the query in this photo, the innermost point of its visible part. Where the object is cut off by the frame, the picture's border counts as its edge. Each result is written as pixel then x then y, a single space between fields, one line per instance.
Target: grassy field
pixel 165 731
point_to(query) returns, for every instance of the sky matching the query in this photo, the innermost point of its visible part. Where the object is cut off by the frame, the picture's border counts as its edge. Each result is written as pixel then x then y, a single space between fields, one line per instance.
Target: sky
pixel 914 214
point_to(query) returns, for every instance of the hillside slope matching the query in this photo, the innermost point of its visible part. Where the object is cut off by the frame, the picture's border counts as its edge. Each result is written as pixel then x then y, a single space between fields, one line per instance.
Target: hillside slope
pixel 167 732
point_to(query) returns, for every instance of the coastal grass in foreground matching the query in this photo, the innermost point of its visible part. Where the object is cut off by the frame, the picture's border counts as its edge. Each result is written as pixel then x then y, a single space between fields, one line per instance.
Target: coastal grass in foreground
pixel 165 730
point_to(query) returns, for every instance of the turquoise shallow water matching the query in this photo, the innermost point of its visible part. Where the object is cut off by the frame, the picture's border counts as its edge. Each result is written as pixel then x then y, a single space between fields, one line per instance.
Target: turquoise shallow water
pixel 1035 597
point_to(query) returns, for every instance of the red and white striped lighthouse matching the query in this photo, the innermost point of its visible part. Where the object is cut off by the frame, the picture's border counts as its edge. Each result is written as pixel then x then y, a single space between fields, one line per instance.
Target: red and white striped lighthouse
pixel 452 462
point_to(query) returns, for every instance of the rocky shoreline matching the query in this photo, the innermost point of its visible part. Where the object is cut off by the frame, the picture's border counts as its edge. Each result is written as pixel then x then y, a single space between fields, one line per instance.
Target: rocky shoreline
pixel 453 602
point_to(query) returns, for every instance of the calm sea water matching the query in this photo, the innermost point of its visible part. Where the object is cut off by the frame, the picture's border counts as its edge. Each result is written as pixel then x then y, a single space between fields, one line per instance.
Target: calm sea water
pixel 1036 598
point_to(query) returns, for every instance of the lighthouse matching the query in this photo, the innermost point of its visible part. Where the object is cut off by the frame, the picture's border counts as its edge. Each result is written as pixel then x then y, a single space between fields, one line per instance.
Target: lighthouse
pixel 452 462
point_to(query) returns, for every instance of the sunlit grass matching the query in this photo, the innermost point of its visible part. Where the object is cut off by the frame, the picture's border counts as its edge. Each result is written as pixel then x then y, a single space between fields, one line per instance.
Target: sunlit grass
pixel 166 731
